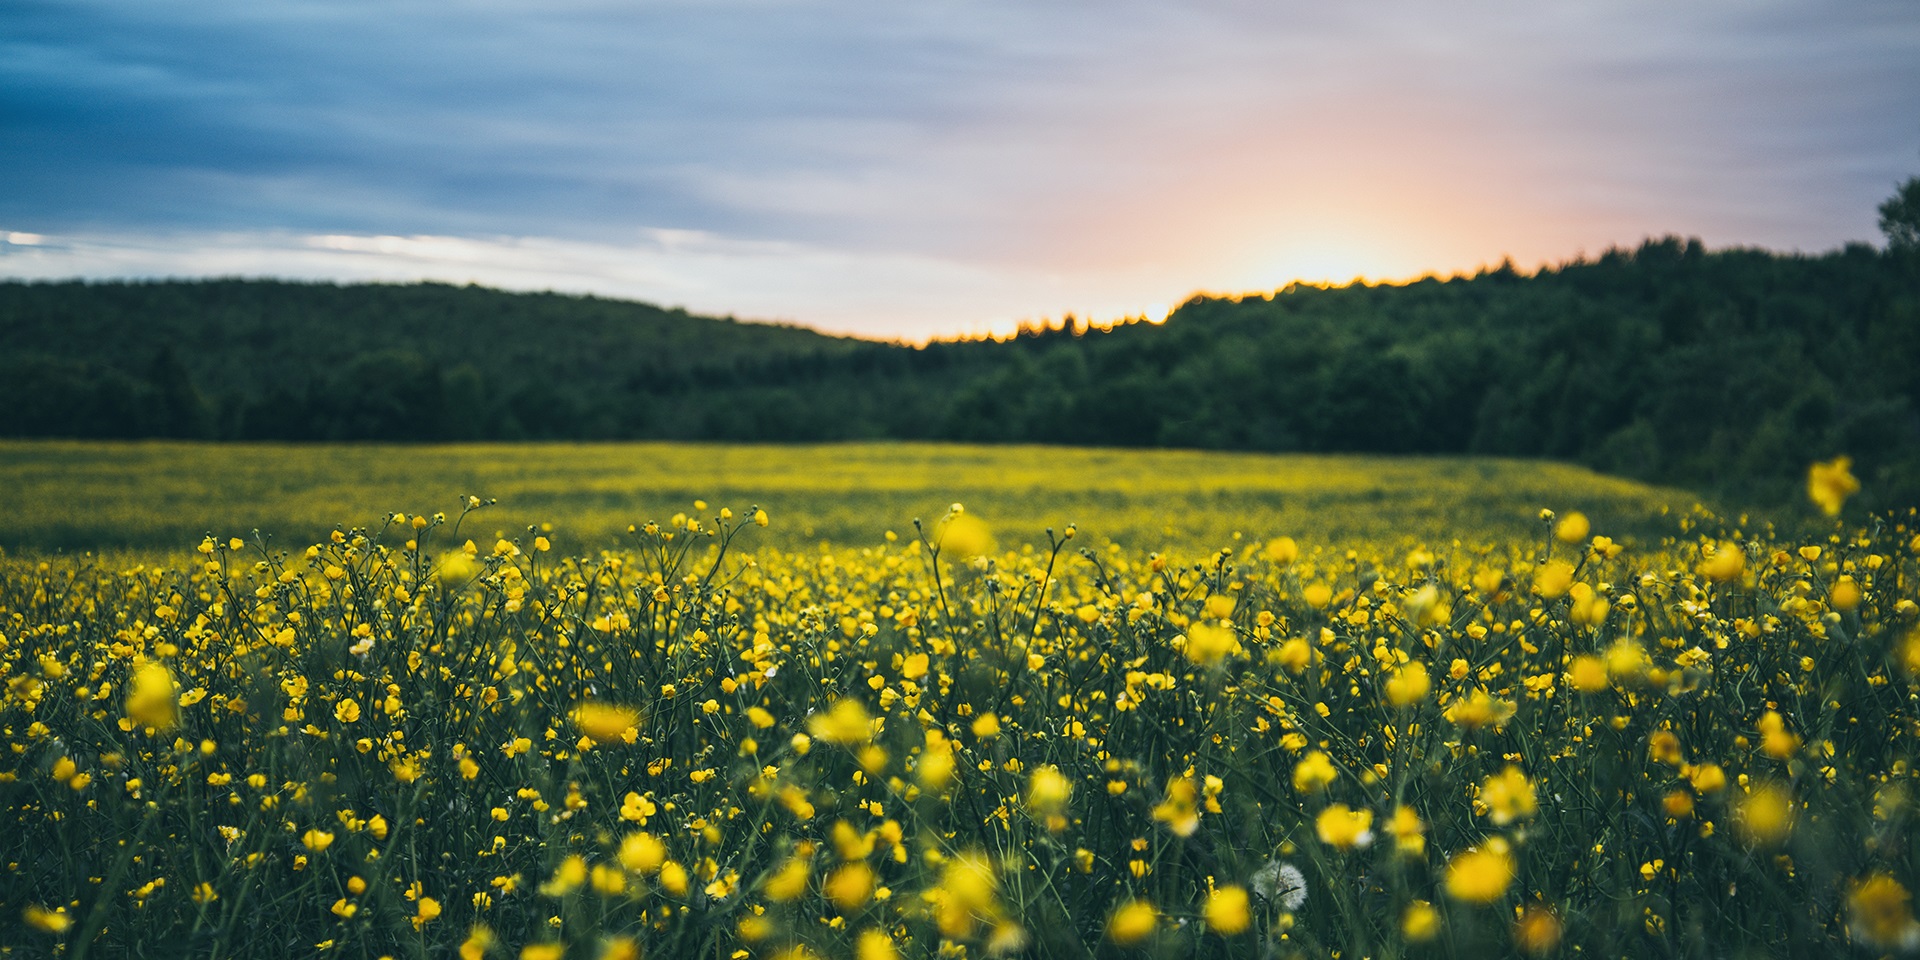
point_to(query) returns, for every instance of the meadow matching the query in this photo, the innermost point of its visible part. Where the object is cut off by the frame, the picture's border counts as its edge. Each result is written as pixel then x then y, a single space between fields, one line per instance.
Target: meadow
pixel 1094 703
pixel 160 496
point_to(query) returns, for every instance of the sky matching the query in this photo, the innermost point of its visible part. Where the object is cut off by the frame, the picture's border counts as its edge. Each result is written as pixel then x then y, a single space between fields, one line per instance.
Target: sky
pixel 917 168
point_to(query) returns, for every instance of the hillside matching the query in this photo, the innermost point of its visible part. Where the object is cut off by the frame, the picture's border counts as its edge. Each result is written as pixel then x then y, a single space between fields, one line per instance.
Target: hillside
pixel 263 359
pixel 1722 370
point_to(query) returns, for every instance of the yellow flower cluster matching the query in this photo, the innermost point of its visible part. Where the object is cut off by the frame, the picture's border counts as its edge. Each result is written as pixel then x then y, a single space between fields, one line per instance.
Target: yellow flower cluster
pixel 397 740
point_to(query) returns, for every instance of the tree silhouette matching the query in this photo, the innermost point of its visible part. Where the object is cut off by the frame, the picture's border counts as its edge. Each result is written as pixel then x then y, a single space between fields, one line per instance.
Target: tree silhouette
pixel 1900 217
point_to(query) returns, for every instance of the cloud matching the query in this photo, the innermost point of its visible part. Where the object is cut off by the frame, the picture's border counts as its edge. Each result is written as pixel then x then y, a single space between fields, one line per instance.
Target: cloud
pixel 885 296
pixel 1206 144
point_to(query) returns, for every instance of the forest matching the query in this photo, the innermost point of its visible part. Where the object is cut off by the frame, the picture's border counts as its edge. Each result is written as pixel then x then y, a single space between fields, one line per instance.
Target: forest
pixel 1722 370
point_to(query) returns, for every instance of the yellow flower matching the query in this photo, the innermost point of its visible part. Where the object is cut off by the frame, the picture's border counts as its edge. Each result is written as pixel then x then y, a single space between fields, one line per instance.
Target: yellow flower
pixel 150 696
pixel 1845 595
pixel 543 951
pixel 47 921
pixel 316 840
pixel 789 882
pixel 1420 923
pixel 1178 810
pixel 1726 562
pixel 1281 551
pixel 1227 910
pixel 1537 931
pixel 986 726
pixel 1572 528
pixel 479 941
pixel 1293 655
pixel 1409 684
pixel 1587 674
pixel 914 666
pixel 1409 834
pixel 1766 815
pixel 1664 747
pixel 1313 773
pixel 795 800
pixel 1006 937
pixel 1830 484
pixel 673 878
pixel 1208 644
pixel 607 880
pixel 346 711
pixel 1588 609
pixel 963 535
pixel 642 852
pixel 1481 874
pixel 605 722
pixel 1508 796
pixel 936 762
pixel 1048 790
pixel 1775 740
pixel 874 945
pixel 1478 709
pixel 1344 828
pixel 1678 804
pixel 456 570
pixel 568 876
pixel 850 886
pixel 845 723
pixel 1553 578
pixel 965 892
pixel 1880 913
pixel 1132 922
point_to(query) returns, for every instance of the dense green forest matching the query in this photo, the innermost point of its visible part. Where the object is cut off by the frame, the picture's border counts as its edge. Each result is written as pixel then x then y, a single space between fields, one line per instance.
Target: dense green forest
pixel 1726 370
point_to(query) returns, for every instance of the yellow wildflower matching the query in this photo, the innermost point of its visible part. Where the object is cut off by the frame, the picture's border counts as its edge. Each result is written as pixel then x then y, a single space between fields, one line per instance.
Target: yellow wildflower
pixel 1766 815
pixel 1508 796
pixel 1726 561
pixel 47 921
pixel 1829 484
pixel 1481 874
pixel 605 722
pixel 1420 922
pixel 1880 913
pixel 1227 911
pixel 1132 922
pixel 1409 684
pixel 845 723
pixel 874 944
pixel 1344 828
pixel 1313 773
pixel 1537 931
pixel 150 696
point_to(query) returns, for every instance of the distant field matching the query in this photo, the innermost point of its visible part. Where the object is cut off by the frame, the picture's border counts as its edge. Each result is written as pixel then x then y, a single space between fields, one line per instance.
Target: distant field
pixel 69 496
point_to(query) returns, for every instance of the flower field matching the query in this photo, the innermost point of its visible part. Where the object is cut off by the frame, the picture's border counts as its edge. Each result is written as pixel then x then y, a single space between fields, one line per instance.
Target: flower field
pixel 966 737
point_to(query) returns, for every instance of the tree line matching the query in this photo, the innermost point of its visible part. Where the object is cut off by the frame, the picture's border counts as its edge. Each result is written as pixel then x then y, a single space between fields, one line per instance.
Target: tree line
pixel 1725 370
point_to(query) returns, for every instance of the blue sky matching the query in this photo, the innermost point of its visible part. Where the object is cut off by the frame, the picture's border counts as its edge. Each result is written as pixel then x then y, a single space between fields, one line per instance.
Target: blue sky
pixel 923 168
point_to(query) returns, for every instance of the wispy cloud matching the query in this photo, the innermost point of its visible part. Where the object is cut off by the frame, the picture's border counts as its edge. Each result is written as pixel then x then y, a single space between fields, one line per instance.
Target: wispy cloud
pixel 885 296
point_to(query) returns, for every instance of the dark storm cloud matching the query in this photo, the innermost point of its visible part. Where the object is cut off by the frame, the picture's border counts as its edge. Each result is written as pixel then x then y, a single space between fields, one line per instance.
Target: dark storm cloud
pixel 438 117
